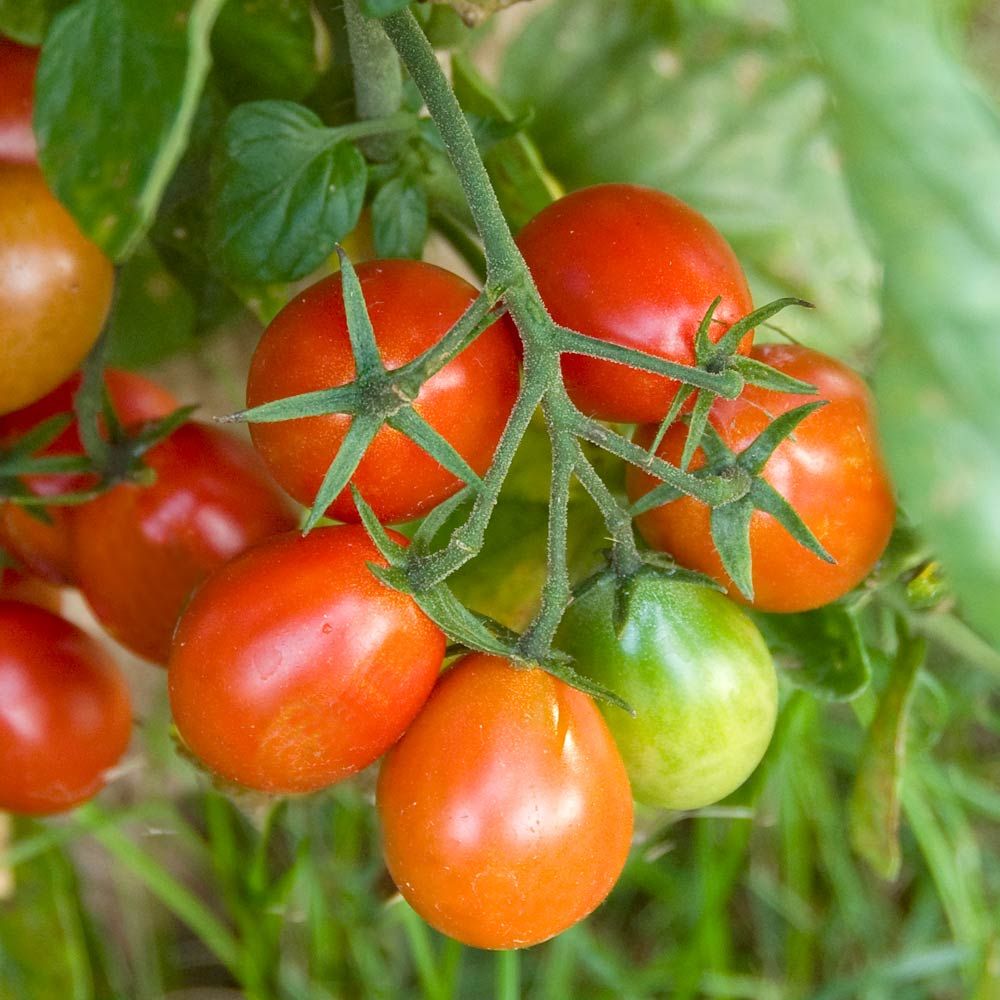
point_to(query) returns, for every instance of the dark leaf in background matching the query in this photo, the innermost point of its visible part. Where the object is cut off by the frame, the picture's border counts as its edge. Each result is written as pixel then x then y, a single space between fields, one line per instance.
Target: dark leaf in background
pixel 922 153
pixel 117 88
pixel 266 49
pixel 286 190
pixel 399 219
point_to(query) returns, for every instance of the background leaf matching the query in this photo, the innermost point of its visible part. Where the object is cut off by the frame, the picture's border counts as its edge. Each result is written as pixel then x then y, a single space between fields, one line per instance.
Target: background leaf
pixel 117 88
pixel 26 20
pixel 922 152
pixel 399 219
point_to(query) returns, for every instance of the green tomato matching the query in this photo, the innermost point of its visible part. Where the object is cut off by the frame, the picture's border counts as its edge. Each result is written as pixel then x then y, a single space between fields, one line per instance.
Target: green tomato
pixel 698 673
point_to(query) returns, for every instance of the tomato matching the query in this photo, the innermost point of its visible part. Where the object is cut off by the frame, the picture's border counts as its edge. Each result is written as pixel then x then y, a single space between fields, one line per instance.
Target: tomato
pixel 831 471
pixel 699 675
pixel 306 347
pixel 18 586
pixel 636 267
pixel 17 86
pixel 294 667
pixel 505 809
pixel 55 289
pixel 46 548
pixel 65 715
pixel 139 551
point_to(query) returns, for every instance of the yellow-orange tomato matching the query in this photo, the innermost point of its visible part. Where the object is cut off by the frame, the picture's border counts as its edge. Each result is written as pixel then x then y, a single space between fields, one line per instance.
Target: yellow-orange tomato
pixel 506 811
pixel 55 289
pixel 830 470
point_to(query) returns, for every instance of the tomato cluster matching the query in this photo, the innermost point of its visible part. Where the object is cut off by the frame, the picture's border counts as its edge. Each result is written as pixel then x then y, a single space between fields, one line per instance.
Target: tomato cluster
pixel 505 795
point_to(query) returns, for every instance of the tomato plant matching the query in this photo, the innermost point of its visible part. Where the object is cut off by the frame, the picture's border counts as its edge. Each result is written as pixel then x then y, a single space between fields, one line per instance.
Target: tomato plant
pixel 699 675
pixel 139 550
pixel 505 809
pixel 830 470
pixel 307 348
pixel 28 589
pixel 636 267
pixel 17 74
pixel 55 289
pixel 45 546
pixel 316 667
pixel 65 714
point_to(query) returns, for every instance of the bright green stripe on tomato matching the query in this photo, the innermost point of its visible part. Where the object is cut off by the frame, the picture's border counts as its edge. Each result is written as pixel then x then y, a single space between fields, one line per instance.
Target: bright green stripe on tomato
pixel 699 675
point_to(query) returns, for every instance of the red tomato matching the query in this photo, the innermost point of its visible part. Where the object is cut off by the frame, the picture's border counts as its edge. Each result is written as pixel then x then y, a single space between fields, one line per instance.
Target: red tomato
pixel 17 88
pixel 506 811
pixel 294 667
pixel 65 715
pixel 139 551
pixel 17 586
pixel 411 305
pixel 46 549
pixel 55 289
pixel 636 267
pixel 831 471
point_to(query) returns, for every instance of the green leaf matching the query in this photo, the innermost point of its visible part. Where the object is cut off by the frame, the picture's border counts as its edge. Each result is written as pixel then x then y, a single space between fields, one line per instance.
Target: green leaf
pixel 266 49
pixel 26 21
pixel 822 651
pixel 380 8
pixel 287 188
pixel 875 800
pixel 399 219
pixel 117 88
pixel 920 142
pixel 154 314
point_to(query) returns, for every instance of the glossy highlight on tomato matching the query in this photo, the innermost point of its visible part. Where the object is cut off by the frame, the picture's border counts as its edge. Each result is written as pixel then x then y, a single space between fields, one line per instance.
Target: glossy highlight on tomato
pixel 45 547
pixel 831 471
pixel 65 714
pixel 294 667
pixel 636 267
pixel 55 289
pixel 139 551
pixel 18 64
pixel 505 809
pixel 699 675
pixel 306 348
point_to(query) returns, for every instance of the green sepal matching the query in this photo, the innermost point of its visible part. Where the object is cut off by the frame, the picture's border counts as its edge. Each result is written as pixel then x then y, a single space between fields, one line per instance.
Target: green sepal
pixel 389 549
pixel 703 346
pixel 425 534
pixel 756 373
pixel 680 398
pixel 559 668
pixel 37 439
pixel 656 497
pixel 319 403
pixel 696 426
pixel 731 535
pixel 767 499
pixel 367 359
pixel 407 421
pixel 88 402
pixel 754 457
pixel 359 435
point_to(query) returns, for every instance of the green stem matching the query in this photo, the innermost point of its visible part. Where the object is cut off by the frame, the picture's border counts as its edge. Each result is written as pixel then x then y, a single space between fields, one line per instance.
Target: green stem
pixel 624 552
pixel 378 81
pixel 508 975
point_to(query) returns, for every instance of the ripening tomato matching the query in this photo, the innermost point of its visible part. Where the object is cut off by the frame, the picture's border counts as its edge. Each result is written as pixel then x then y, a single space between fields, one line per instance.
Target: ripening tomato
pixel 505 808
pixel 18 64
pixel 306 348
pixel 636 267
pixel 699 675
pixel 294 667
pixel 65 715
pixel 55 289
pixel 139 551
pixel 831 471
pixel 28 589
pixel 45 548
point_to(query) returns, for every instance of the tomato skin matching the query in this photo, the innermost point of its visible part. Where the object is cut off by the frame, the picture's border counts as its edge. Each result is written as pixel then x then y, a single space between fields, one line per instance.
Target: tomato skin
pixel 306 347
pixel 294 667
pixel 27 589
pixel 65 714
pixel 832 473
pixel 698 673
pixel 505 809
pixel 139 551
pixel 636 267
pixel 18 64
pixel 47 549
pixel 55 289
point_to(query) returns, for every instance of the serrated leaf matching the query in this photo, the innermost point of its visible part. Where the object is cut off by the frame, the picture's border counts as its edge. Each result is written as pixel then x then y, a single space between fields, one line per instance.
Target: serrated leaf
pixel 266 49
pixel 875 800
pixel 920 141
pixel 731 537
pixel 286 189
pixel 822 651
pixel 399 219
pixel 108 150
